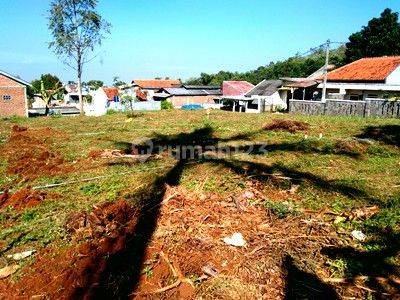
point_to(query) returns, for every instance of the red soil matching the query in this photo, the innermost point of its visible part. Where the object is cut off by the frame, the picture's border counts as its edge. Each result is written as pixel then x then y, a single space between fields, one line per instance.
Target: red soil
pixel 75 273
pixel 22 199
pixel 29 155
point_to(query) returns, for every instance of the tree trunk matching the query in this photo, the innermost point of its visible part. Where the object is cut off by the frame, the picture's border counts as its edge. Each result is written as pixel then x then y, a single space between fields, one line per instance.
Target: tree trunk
pixel 80 96
pixel 80 85
pixel 46 111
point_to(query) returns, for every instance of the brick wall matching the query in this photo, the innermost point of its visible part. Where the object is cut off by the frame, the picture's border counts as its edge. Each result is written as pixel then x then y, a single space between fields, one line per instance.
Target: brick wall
pixel 17 92
pixel 178 101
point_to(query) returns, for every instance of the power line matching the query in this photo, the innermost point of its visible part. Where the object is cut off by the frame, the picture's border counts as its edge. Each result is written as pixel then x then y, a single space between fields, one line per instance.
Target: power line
pixel 319 47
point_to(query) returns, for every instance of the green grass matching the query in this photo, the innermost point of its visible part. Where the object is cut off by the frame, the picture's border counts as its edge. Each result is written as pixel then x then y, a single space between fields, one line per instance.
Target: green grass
pixel 328 176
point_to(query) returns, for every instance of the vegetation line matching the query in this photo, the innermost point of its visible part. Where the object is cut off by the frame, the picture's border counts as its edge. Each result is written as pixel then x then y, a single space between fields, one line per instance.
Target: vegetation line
pixel 48 186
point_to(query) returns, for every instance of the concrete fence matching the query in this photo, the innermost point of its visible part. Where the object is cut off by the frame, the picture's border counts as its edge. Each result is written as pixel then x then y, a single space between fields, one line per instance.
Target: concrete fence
pixel 146 105
pixel 368 108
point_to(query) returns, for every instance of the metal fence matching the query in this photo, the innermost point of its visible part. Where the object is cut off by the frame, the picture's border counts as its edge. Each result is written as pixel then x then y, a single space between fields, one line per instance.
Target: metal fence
pixel 367 108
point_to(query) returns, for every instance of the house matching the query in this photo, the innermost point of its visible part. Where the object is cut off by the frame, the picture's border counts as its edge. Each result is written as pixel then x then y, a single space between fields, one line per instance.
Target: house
pixel 71 98
pixel 144 89
pixel 13 95
pixel 305 87
pixel 188 94
pixel 103 99
pixel 268 95
pixel 236 88
pixel 373 77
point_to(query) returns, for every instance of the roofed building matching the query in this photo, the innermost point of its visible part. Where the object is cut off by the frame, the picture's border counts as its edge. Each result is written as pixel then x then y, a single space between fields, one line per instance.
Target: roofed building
pixel 268 95
pixel 236 88
pixel 144 89
pixel 156 84
pixel 103 98
pixel 373 77
pixel 13 95
pixel 179 96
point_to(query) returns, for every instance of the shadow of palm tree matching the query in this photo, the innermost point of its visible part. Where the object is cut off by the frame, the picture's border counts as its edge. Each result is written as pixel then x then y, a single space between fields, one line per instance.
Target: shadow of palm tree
pixel 304 285
pixel 121 274
pixel 388 134
pixel 376 266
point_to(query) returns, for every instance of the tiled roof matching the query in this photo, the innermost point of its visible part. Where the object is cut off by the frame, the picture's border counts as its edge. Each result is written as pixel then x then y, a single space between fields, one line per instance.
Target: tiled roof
pixel 157 83
pixel 140 95
pixel 236 88
pixel 111 92
pixel 366 69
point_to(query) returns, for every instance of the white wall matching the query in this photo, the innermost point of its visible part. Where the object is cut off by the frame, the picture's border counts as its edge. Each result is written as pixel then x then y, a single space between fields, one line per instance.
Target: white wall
pixel 98 107
pixel 274 100
pixel 394 77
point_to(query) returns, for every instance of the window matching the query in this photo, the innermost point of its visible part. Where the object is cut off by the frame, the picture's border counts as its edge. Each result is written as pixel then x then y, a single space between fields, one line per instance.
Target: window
pixel 355 97
pixel 6 97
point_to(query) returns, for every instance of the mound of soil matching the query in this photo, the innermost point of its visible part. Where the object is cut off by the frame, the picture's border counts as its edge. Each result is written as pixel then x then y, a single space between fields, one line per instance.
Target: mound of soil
pixel 287 125
pixel 22 199
pixel 350 147
pixel 105 220
pixel 29 155
pixel 75 273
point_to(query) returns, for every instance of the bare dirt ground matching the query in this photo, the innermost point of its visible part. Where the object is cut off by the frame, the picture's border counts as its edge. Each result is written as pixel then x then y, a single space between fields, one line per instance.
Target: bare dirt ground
pixel 165 238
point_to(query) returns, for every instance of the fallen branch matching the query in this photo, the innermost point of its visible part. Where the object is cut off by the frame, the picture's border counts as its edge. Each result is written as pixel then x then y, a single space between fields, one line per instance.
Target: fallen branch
pixel 175 273
pixel 53 185
pixel 171 267
pixel 271 175
pixel 161 290
pixel 361 278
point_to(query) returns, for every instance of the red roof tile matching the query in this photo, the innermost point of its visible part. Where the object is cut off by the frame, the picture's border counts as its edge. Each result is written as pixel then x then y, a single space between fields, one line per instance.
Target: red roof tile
pixel 111 92
pixel 140 95
pixel 366 69
pixel 157 83
pixel 236 88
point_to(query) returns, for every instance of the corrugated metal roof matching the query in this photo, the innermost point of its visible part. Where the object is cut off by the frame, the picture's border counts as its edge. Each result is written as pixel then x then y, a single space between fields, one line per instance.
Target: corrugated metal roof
pixel 191 92
pixel 236 88
pixel 202 87
pixel 265 88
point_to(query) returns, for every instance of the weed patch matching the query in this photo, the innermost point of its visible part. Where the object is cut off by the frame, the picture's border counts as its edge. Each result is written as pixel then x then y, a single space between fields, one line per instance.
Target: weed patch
pixel 291 126
pixel 282 209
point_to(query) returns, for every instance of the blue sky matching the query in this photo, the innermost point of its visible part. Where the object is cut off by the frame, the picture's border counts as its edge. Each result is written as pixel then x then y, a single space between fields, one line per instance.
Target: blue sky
pixel 181 38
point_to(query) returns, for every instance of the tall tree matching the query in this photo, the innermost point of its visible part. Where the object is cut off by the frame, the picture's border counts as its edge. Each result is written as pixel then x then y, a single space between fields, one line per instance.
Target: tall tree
pixel 94 84
pixel 118 82
pixel 380 37
pixel 77 29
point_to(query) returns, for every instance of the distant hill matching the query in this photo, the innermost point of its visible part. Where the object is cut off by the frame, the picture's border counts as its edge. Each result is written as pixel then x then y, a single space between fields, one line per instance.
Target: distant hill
pixel 296 66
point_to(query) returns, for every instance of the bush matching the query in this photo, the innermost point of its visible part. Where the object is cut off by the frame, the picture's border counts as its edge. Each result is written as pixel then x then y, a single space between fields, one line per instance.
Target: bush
pixel 112 112
pixel 165 104
pixel 281 209
pixel 88 99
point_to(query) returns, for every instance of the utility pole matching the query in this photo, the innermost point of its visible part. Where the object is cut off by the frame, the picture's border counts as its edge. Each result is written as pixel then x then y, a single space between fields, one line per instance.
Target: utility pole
pixel 325 71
